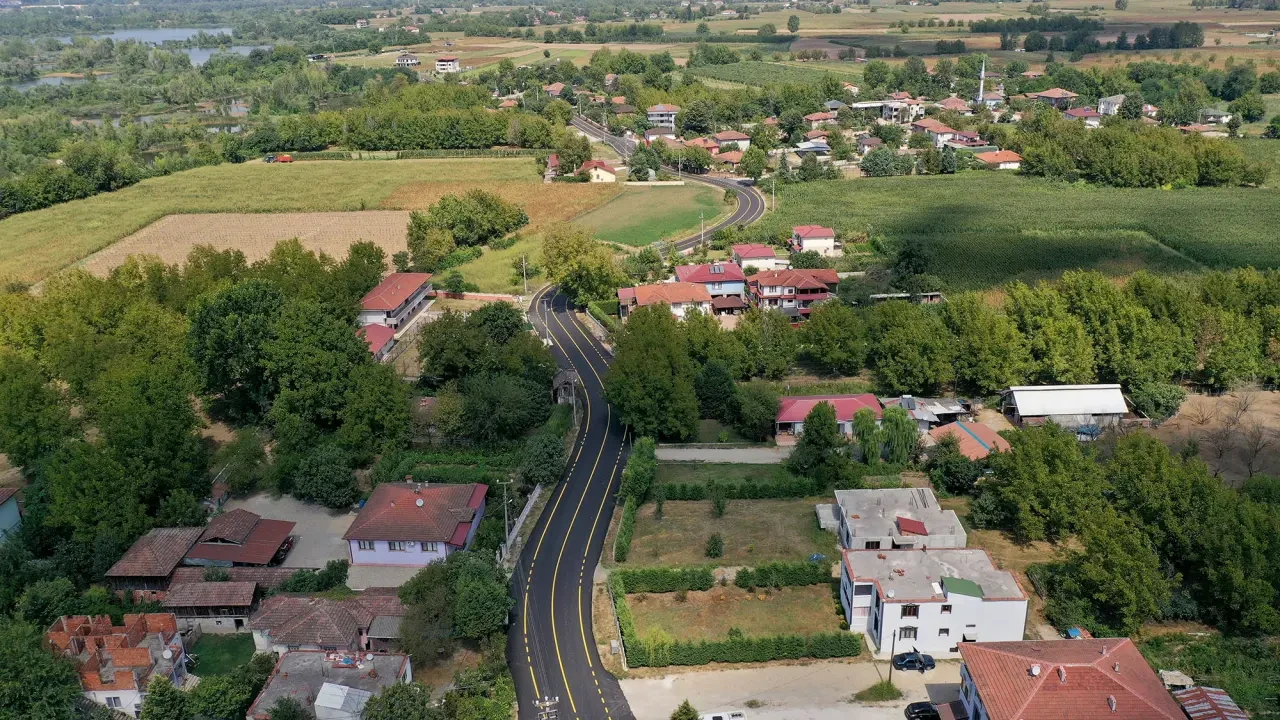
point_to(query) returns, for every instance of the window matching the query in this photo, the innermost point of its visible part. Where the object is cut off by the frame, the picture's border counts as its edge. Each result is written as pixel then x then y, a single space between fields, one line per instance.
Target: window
pixel 113 702
pixel 861 589
pixel 944 632
pixel 430 547
pixel 872 545
pixel 365 544
pixel 907 633
pixel 946 609
pixel 395 546
pixel 910 611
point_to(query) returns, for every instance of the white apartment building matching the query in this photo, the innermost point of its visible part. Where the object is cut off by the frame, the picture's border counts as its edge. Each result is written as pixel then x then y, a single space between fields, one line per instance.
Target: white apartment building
pixel 896 519
pixel 663 115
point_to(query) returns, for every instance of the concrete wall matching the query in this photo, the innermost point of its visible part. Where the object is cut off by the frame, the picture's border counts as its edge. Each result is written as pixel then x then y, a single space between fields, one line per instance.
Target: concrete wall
pixel 382 554
pixel 129 699
pixel 220 624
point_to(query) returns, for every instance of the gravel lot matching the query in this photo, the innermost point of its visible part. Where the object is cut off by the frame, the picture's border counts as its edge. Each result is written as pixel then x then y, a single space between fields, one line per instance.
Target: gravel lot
pixel 319 530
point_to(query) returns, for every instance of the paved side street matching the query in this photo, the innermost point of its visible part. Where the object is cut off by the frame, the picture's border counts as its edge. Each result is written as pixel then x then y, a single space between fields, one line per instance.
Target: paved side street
pixel 815 691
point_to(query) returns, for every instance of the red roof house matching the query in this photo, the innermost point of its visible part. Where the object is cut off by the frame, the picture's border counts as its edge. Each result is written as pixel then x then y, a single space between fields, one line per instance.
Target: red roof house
pixel 976 440
pixel 239 537
pixel 412 524
pixel 378 337
pixel 753 251
pixel 792 292
pixel 956 104
pixel 793 409
pixel 554 89
pixel 712 274
pixel 1062 680
pixel 1001 159
pixel 395 300
pixel 508 104
pixel 150 561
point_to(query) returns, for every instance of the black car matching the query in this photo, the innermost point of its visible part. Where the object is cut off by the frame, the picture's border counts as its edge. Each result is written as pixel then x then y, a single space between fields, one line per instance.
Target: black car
pixel 922 711
pixel 913 661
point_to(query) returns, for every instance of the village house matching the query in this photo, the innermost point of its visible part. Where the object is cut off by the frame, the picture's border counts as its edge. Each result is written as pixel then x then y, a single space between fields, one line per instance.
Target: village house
pixel 931 600
pixel 850 88
pixel 1000 159
pixel 1056 97
pixel 396 300
pixel 554 89
pixel 680 297
pixel 288 622
pixel 938 131
pixel 896 519
pixel 149 563
pixel 116 663
pixel 1092 119
pixel 238 538
pixel 329 685
pixel 599 171
pixel 730 160
pixel 867 143
pixel 817 238
pixel 1086 409
pixel 705 143
pixel 793 409
pixel 1080 679
pixel 819 119
pixel 1033 74
pixel 817 135
pixel 956 104
pixel 818 148
pixel 413 525
pixel 835 106
pixel 663 115
pixel 974 440
pixel 610 80
pixel 928 412
pixel 758 256
pixel 10 518
pixel 1212 116
pixel 266 578
pixel 726 137
pixel 509 104
pixel 993 99
pixel 216 607
pixel 719 278
pixel 448 64
pixel 659 133
pixel 1110 105
pixel 361 24
pixel 407 60
pixel 792 292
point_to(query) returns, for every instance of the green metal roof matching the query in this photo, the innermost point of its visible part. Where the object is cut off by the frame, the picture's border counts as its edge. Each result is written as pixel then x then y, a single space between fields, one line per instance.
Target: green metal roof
pixel 962 587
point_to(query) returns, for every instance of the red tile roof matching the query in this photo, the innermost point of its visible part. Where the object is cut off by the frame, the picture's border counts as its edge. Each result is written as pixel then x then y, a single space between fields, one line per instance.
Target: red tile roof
pixel 1055 94
pixel 299 620
pixel 998 156
pixel 795 408
pixel 669 293
pixel 931 125
pixel 730 136
pixel 508 104
pixel 210 594
pixel 258 547
pixel 813 231
pixel 900 95
pixel 954 103
pixel 554 88
pixel 975 440
pixel 6 493
pixel 727 302
pixel 706 273
pixel 376 336
pixel 704 143
pixel 659 132
pixel 1076 679
pixel 911 526
pixel 597 164
pixel 393 513
pixel 733 157
pixel 754 250
pixel 1084 112
pixel 664 108
pixel 392 292
pixel 232 526
pixel 814 117
pixel 447 58
pixel 157 553
pixel 800 279
pixel 268 578
pixel 814 134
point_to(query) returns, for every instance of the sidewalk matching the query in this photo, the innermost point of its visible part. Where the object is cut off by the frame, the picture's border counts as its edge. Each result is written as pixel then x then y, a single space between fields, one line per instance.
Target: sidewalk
pixel 710 454
pixel 819 690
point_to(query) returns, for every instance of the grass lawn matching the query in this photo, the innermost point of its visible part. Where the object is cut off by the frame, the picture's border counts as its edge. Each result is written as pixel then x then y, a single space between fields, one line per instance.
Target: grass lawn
pixel 762 73
pixel 702 473
pixel 990 228
pixel 640 216
pixel 222 654
pixel 709 432
pixel 709 614
pixel 754 532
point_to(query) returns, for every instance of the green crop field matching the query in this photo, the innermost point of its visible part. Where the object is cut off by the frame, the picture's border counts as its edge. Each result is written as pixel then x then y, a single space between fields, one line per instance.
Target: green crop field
pixel 640 216
pixel 762 73
pixel 988 228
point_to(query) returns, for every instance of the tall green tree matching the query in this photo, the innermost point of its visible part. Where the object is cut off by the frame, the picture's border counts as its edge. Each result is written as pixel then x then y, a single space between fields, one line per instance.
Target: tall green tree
pixel 580 265
pixel 836 337
pixel 403 701
pixel 642 468
pixel 1044 488
pixel 899 435
pixel 34 421
pixel 311 357
pixel 793 24
pixel 990 353
pixel 758 405
pixel 717 392
pixel 817 453
pixel 34 683
pixel 913 350
pixel 650 381
pixel 1060 347
pixel 228 332
pixel 164 701
pixel 770 342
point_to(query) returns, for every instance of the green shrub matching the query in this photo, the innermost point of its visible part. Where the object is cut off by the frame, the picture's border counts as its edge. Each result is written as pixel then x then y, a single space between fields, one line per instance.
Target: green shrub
pixel 784 574
pixel 626 528
pixel 606 311
pixel 715 546
pixel 665 580
pixel 880 692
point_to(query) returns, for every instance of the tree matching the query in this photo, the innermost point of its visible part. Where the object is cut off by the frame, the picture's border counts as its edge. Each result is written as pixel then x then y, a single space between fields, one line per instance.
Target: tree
pixel 33 419
pixel 1250 107
pixel 754 162
pixel 913 352
pixel 769 340
pixel 46 600
pixel 1131 108
pixel 880 162
pixel 497 406
pixel 1119 572
pixel 650 381
pixel 758 405
pixel 180 508
pixel 1122 5
pixel 476 217
pixel 793 24
pixel 34 683
pixel 817 452
pixel 1044 488
pixel 427 245
pixel 403 701
pixel 767 30
pixel 835 336
pixel 580 265
pixel 899 435
pixel 325 476
pixel 375 412
pixel 717 392
pixel 427 630
pixel 543 459
pixel 165 702
pixel 641 470
pixel 950 470
pixel 990 352
pixel 686 711
pixel 288 708
pixel 876 73
pixel 228 331
pixel 311 357
pixel 1157 400
pixel 82 480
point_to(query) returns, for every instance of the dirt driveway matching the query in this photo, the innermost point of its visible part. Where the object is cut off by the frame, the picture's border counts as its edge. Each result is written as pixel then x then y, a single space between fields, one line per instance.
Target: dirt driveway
pixel 810 691
pixel 319 530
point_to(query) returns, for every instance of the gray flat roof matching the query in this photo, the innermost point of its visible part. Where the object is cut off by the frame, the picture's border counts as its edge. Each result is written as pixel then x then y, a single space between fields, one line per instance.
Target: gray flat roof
pixel 874 513
pixel 911 574
pixel 301 674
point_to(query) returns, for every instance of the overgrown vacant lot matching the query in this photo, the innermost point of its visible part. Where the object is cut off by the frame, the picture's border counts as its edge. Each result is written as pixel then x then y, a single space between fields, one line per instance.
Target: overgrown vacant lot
pixel 39 243
pixel 710 614
pixel 754 532
pixel 639 216
pixel 703 473
pixel 987 228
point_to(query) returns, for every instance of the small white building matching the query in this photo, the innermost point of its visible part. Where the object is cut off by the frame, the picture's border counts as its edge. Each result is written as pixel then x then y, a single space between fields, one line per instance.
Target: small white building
pixel 663 115
pixel 448 64
pixel 407 60
pixel 726 137
pixel 1087 409
pixel 929 600
pixel 896 519
pixel 599 171
pixel 361 24
pixel 1110 105
pixel 1000 159
pixel 339 702
pixel 817 238
pixel 761 257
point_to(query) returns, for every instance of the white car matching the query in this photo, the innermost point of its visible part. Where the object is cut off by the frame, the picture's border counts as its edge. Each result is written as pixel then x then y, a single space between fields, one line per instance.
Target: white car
pixel 726 715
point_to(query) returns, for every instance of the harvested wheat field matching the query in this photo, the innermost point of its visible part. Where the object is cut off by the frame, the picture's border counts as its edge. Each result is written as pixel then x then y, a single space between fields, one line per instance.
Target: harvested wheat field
pixel 544 203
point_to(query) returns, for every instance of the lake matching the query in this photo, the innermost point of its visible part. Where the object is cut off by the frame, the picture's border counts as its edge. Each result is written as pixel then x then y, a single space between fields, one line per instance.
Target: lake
pixel 159 36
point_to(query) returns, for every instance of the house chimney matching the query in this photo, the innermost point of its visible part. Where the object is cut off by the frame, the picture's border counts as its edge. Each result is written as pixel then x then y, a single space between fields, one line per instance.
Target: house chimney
pixel 1062 674
pixel 1116 667
pixel 1111 702
pixel 417 489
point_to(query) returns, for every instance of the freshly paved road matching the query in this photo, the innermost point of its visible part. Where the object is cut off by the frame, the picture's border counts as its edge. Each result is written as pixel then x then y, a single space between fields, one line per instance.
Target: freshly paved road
pixel 551 645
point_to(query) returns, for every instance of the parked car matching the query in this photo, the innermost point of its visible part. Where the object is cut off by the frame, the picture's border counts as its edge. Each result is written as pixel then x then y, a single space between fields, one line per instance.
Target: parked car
pixel 913 661
pixel 922 711
pixel 730 715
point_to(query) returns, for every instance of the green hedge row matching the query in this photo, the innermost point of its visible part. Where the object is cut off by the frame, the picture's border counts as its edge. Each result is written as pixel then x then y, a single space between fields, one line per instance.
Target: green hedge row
pixel 416 154
pixel 456 474
pixel 665 580
pixel 784 574
pixel 606 311
pixel 776 490
pixel 626 527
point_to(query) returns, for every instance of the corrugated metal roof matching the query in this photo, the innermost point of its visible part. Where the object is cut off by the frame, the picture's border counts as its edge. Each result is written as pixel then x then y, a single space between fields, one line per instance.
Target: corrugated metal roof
pixel 1036 401
pixel 340 697
pixel 1207 703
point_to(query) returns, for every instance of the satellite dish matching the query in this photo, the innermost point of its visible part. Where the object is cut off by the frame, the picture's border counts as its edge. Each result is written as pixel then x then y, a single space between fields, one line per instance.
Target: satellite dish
pixel 418 502
pixel 368 656
pixel 167 654
pixel 889 593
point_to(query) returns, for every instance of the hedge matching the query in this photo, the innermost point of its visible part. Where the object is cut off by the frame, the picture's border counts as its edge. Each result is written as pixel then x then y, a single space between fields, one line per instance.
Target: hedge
pixel 627 526
pixel 774 490
pixel 416 154
pixel 665 580
pixel 784 574
pixel 606 311
pixel 456 474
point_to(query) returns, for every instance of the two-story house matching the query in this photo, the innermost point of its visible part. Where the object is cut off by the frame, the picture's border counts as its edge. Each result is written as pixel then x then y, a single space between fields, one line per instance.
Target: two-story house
pixel 758 256
pixel 818 119
pixel 719 278
pixel 680 297
pixel 938 131
pixel 395 300
pixel 1056 97
pixel 896 519
pixel 726 137
pixel 448 64
pixel 116 663
pixel 792 292
pixel 413 525
pixel 1092 118
pixel 932 600
pixel 817 238
pixel 663 115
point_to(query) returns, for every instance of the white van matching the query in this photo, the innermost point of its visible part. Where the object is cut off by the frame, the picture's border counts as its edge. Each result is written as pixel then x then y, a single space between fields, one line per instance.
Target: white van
pixel 726 715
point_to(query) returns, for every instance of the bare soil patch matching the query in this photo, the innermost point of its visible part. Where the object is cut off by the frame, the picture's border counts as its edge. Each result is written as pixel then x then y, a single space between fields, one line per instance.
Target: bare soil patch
pixel 543 203
pixel 1238 434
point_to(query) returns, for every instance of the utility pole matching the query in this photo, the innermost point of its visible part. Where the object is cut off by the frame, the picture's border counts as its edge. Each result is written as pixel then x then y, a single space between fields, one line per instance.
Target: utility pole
pixel 773 188
pixel 547 709
pixel 893 647
pixel 702 238
pixel 524 270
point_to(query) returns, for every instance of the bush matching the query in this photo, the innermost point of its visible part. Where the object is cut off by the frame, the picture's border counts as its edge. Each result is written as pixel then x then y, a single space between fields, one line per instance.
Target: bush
pixel 715 546
pixel 1157 400
pixel 310 581
pixel 718 500
pixel 784 574
pixel 880 692
pixel 324 476
pixel 776 490
pixel 626 528
pixel 642 468
pixel 664 580
pixel 606 311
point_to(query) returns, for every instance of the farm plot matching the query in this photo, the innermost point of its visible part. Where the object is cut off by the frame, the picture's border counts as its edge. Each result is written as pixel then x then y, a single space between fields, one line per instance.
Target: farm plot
pixel 761 73
pixel 986 228
pixel 711 614
pixel 639 216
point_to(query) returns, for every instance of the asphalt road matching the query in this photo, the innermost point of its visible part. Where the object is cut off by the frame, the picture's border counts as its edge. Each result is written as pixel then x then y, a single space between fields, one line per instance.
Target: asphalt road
pixel 551 646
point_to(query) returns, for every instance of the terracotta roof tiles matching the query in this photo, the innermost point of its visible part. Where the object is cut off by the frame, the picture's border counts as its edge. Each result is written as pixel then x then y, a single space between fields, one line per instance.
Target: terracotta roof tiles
pixel 393 513
pixel 157 553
